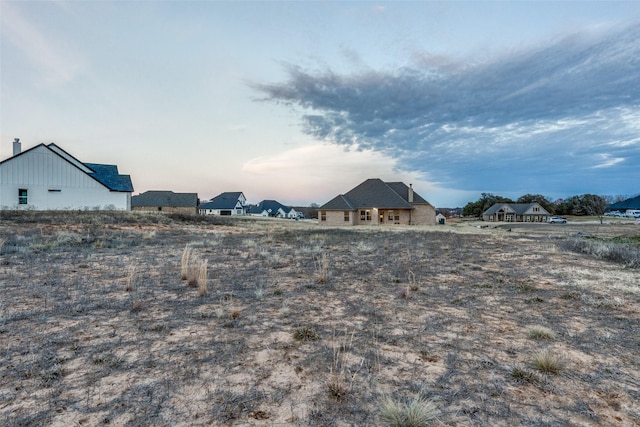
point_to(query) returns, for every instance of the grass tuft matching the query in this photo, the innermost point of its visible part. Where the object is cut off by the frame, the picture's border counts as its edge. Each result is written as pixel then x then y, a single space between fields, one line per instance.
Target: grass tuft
pixel 417 412
pixel 548 362
pixel 537 332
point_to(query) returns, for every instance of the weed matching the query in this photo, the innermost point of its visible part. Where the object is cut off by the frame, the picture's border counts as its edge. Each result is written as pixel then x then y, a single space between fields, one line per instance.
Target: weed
pixel 137 306
pixel 417 412
pixel 234 314
pixel 413 284
pixel 548 362
pixel 305 333
pixel 404 293
pixel 524 375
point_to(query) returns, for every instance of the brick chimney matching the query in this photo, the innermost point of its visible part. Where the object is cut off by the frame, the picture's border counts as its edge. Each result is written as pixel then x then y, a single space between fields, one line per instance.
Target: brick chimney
pixel 17 147
pixel 410 193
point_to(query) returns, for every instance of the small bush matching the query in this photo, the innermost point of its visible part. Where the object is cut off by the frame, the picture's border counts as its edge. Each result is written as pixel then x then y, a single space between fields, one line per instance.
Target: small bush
pixel 418 412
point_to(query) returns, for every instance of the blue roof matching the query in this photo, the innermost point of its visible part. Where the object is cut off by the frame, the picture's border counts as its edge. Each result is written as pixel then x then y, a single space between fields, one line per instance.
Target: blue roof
pixel 108 176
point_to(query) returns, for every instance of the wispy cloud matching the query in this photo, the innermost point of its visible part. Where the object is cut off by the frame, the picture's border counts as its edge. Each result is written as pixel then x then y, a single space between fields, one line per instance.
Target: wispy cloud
pixel 533 119
pixel 55 65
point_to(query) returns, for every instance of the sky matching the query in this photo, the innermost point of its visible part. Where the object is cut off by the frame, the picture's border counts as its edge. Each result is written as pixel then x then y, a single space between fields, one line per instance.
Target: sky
pixel 301 101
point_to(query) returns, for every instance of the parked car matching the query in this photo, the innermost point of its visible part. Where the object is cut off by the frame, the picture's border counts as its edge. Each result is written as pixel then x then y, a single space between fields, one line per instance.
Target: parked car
pixel 557 220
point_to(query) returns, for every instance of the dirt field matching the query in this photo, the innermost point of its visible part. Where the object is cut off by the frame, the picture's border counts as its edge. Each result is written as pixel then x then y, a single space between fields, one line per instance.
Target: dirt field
pixel 313 326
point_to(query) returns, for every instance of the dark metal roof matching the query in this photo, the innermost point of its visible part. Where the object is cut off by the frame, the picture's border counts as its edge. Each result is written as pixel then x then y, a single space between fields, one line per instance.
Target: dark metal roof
pixel 632 203
pixel 375 193
pixel 227 200
pixel 108 176
pixel 165 198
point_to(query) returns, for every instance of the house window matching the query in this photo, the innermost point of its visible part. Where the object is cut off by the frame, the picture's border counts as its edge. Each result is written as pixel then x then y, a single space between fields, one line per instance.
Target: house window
pixel 159 208
pixel 362 215
pixel 367 215
pixel 323 215
pixel 346 216
pixel 528 218
pixel 22 196
pixel 390 215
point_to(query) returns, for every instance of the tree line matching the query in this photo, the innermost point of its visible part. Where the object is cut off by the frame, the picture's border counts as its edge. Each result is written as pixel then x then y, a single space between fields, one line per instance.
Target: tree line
pixel 585 204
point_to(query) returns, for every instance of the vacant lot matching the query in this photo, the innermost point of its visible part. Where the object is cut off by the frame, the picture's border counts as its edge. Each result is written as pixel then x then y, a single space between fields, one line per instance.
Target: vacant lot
pixel 297 324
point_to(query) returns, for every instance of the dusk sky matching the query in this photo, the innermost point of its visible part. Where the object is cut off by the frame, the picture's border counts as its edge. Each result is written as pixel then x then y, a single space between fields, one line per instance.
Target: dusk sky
pixel 301 101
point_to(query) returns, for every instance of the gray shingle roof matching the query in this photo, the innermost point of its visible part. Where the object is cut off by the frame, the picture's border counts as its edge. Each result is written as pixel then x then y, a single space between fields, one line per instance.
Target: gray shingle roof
pixel 108 176
pixel 165 198
pixel 226 200
pixel 270 206
pixel 375 193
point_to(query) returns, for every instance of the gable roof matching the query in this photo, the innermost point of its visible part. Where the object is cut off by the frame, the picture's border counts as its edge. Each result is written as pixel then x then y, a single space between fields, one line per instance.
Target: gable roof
pixel 375 193
pixel 271 206
pixel 107 175
pixel 517 208
pixel 227 200
pixel 165 198
pixel 632 203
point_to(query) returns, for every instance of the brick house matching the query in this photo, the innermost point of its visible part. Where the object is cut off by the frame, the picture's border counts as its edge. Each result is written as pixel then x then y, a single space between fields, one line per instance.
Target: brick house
pixel 516 212
pixel 375 202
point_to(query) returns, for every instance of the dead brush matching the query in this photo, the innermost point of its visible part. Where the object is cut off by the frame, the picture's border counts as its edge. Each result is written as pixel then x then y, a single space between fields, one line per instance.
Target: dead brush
pixel 130 284
pixel 413 284
pixel 322 268
pixel 184 267
pixel 341 375
pixel 202 278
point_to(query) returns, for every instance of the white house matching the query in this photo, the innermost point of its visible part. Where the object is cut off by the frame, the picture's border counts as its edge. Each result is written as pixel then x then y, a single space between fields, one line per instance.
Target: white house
pixel 228 203
pixel 272 208
pixel 46 177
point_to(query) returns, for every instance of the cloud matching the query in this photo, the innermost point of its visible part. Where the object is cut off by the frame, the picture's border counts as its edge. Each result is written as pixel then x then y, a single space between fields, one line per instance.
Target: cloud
pixel 56 66
pixel 326 168
pixel 534 119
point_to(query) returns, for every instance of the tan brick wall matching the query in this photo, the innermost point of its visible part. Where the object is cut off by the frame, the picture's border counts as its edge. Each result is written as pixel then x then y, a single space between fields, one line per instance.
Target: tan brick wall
pixel 420 215
pixel 423 215
pixel 167 209
pixel 335 218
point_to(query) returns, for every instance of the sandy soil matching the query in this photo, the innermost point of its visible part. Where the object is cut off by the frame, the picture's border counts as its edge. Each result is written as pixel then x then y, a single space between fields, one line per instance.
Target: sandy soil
pixel 306 325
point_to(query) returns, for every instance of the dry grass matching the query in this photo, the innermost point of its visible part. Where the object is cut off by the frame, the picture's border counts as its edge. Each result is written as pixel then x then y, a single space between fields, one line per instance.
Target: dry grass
pixel 261 343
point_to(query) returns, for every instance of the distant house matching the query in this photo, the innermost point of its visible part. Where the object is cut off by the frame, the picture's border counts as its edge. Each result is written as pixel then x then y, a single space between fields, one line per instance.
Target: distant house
pixel 375 202
pixel 230 203
pixel 440 218
pixel 272 208
pixel 165 201
pixel 628 204
pixel 516 212
pixel 46 177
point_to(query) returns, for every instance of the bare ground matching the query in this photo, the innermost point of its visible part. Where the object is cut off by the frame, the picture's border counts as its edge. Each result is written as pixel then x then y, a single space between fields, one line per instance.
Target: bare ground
pixel 306 325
